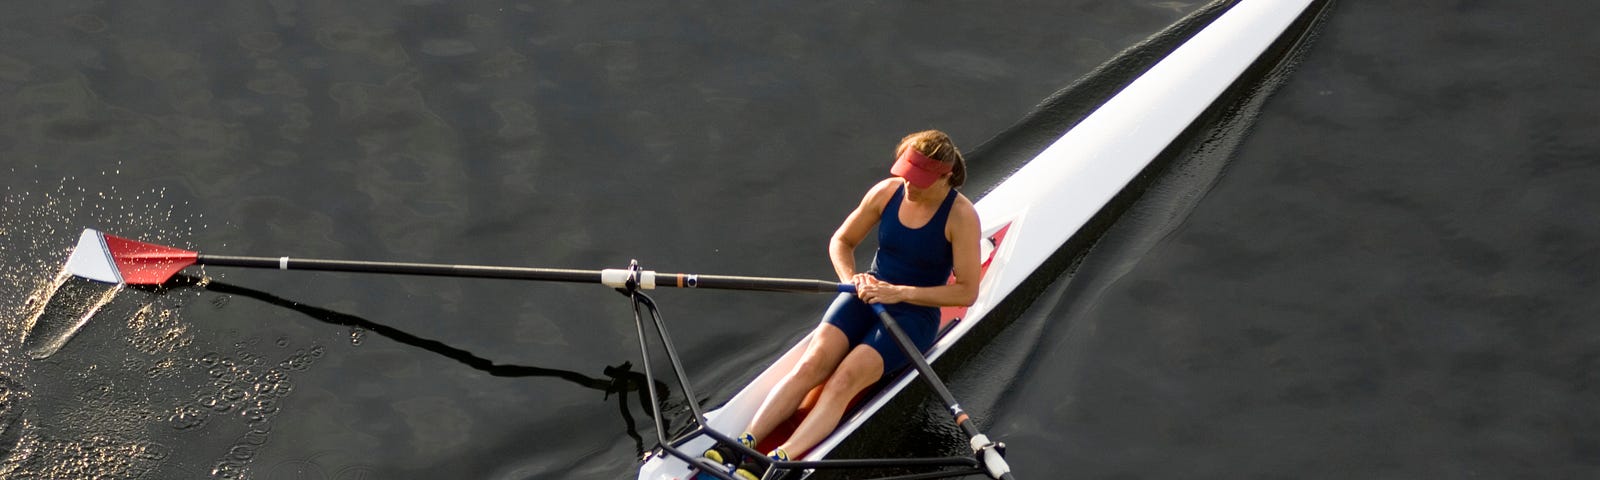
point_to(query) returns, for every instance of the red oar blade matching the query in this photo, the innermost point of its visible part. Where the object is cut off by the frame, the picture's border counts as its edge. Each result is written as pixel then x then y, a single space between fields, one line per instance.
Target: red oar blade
pixel 113 259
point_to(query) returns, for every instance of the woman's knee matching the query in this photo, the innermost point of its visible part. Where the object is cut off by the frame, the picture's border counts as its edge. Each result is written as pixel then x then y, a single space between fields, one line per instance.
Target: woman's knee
pixel 828 347
pixel 858 370
pixel 812 371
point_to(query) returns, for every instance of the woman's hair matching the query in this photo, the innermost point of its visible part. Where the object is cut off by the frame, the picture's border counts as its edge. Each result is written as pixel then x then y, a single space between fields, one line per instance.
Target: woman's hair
pixel 938 146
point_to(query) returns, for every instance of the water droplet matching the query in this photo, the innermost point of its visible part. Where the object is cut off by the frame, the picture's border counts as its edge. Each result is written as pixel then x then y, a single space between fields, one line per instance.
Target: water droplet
pixel 254 416
pixel 187 417
pixel 266 408
pixel 227 470
pixel 233 394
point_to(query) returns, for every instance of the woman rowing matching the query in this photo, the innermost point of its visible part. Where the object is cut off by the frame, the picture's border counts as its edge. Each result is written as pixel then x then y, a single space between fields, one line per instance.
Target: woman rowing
pixel 927 231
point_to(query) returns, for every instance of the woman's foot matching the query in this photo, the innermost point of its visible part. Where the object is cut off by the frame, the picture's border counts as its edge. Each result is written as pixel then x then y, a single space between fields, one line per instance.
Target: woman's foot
pixel 727 455
pixel 751 469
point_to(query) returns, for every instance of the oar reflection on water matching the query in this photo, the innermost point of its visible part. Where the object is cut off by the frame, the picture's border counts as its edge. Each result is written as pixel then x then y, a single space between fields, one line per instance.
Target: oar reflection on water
pixel 620 379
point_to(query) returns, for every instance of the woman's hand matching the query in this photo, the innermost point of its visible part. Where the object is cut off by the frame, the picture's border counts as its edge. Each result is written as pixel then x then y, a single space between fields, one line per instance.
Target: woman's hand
pixel 861 280
pixel 882 292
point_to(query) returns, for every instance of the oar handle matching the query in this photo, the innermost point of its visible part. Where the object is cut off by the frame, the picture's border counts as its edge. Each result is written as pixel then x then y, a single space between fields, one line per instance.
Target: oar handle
pixel 612 277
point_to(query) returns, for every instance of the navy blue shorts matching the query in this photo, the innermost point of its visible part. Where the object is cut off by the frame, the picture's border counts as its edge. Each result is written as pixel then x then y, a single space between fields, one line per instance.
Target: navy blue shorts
pixel 860 324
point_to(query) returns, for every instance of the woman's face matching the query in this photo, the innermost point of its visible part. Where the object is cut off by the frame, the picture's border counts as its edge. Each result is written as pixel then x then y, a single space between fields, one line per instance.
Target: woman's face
pixel 942 182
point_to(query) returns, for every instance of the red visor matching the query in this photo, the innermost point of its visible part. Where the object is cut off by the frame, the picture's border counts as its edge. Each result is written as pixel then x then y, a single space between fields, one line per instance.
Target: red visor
pixel 918 168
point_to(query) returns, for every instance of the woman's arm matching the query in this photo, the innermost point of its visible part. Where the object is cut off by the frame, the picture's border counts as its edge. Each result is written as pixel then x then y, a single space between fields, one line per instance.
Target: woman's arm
pixel 962 230
pixel 842 248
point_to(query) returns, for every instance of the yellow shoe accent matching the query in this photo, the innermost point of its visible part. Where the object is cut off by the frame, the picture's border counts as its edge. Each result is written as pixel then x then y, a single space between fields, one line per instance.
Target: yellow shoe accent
pixel 725 455
pixel 714 455
pixel 746 475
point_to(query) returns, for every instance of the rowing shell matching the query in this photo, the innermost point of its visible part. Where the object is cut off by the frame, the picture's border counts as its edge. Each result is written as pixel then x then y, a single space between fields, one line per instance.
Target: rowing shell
pixel 1037 209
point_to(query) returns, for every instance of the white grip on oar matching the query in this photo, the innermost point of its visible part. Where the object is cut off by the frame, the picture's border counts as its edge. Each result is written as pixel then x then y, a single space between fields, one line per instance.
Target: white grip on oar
pixel 618 278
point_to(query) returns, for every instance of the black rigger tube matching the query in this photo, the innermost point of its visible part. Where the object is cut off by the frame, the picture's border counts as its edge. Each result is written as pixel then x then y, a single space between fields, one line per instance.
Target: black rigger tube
pixel 987 457
pixel 649 373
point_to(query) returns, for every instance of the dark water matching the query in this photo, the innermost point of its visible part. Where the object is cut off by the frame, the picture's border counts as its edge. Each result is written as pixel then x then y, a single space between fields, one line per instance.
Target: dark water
pixel 1384 269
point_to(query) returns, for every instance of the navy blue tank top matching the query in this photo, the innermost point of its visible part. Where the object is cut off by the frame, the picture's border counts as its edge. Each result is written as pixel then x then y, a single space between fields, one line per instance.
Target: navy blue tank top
pixel 918 257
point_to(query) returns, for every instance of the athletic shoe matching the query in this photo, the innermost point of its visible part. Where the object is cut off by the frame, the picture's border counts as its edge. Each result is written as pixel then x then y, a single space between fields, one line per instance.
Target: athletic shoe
pixel 728 455
pixel 750 469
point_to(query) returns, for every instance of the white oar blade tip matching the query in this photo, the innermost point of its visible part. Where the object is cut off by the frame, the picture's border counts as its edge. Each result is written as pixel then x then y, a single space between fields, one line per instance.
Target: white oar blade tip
pixel 92 260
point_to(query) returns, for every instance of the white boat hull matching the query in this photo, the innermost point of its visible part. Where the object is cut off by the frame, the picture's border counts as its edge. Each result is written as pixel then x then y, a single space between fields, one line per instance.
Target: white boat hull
pixel 1056 193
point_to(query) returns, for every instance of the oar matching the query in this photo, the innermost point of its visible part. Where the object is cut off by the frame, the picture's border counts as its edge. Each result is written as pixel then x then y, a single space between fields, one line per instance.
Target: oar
pixel 112 259
pixel 988 452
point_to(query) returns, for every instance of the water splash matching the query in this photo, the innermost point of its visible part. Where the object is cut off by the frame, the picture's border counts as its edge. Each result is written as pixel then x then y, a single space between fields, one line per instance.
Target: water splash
pixel 101 457
pixel 157 331
pixel 37 223
pixel 243 385
pixel 71 305
pixel 96 410
pixel 33 305
pixel 11 424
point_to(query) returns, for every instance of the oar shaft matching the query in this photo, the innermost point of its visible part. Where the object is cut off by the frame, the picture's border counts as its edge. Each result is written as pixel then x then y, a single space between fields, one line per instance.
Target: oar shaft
pixel 980 443
pixel 921 364
pixel 616 277
pixel 404 268
pixel 727 282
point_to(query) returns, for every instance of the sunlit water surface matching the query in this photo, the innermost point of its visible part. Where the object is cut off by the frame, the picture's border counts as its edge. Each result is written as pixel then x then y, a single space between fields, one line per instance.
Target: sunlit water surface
pixel 1384 268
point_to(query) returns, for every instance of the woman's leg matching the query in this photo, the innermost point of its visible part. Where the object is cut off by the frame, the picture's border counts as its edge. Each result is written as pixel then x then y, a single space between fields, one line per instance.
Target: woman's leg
pixel 827 347
pixel 860 369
